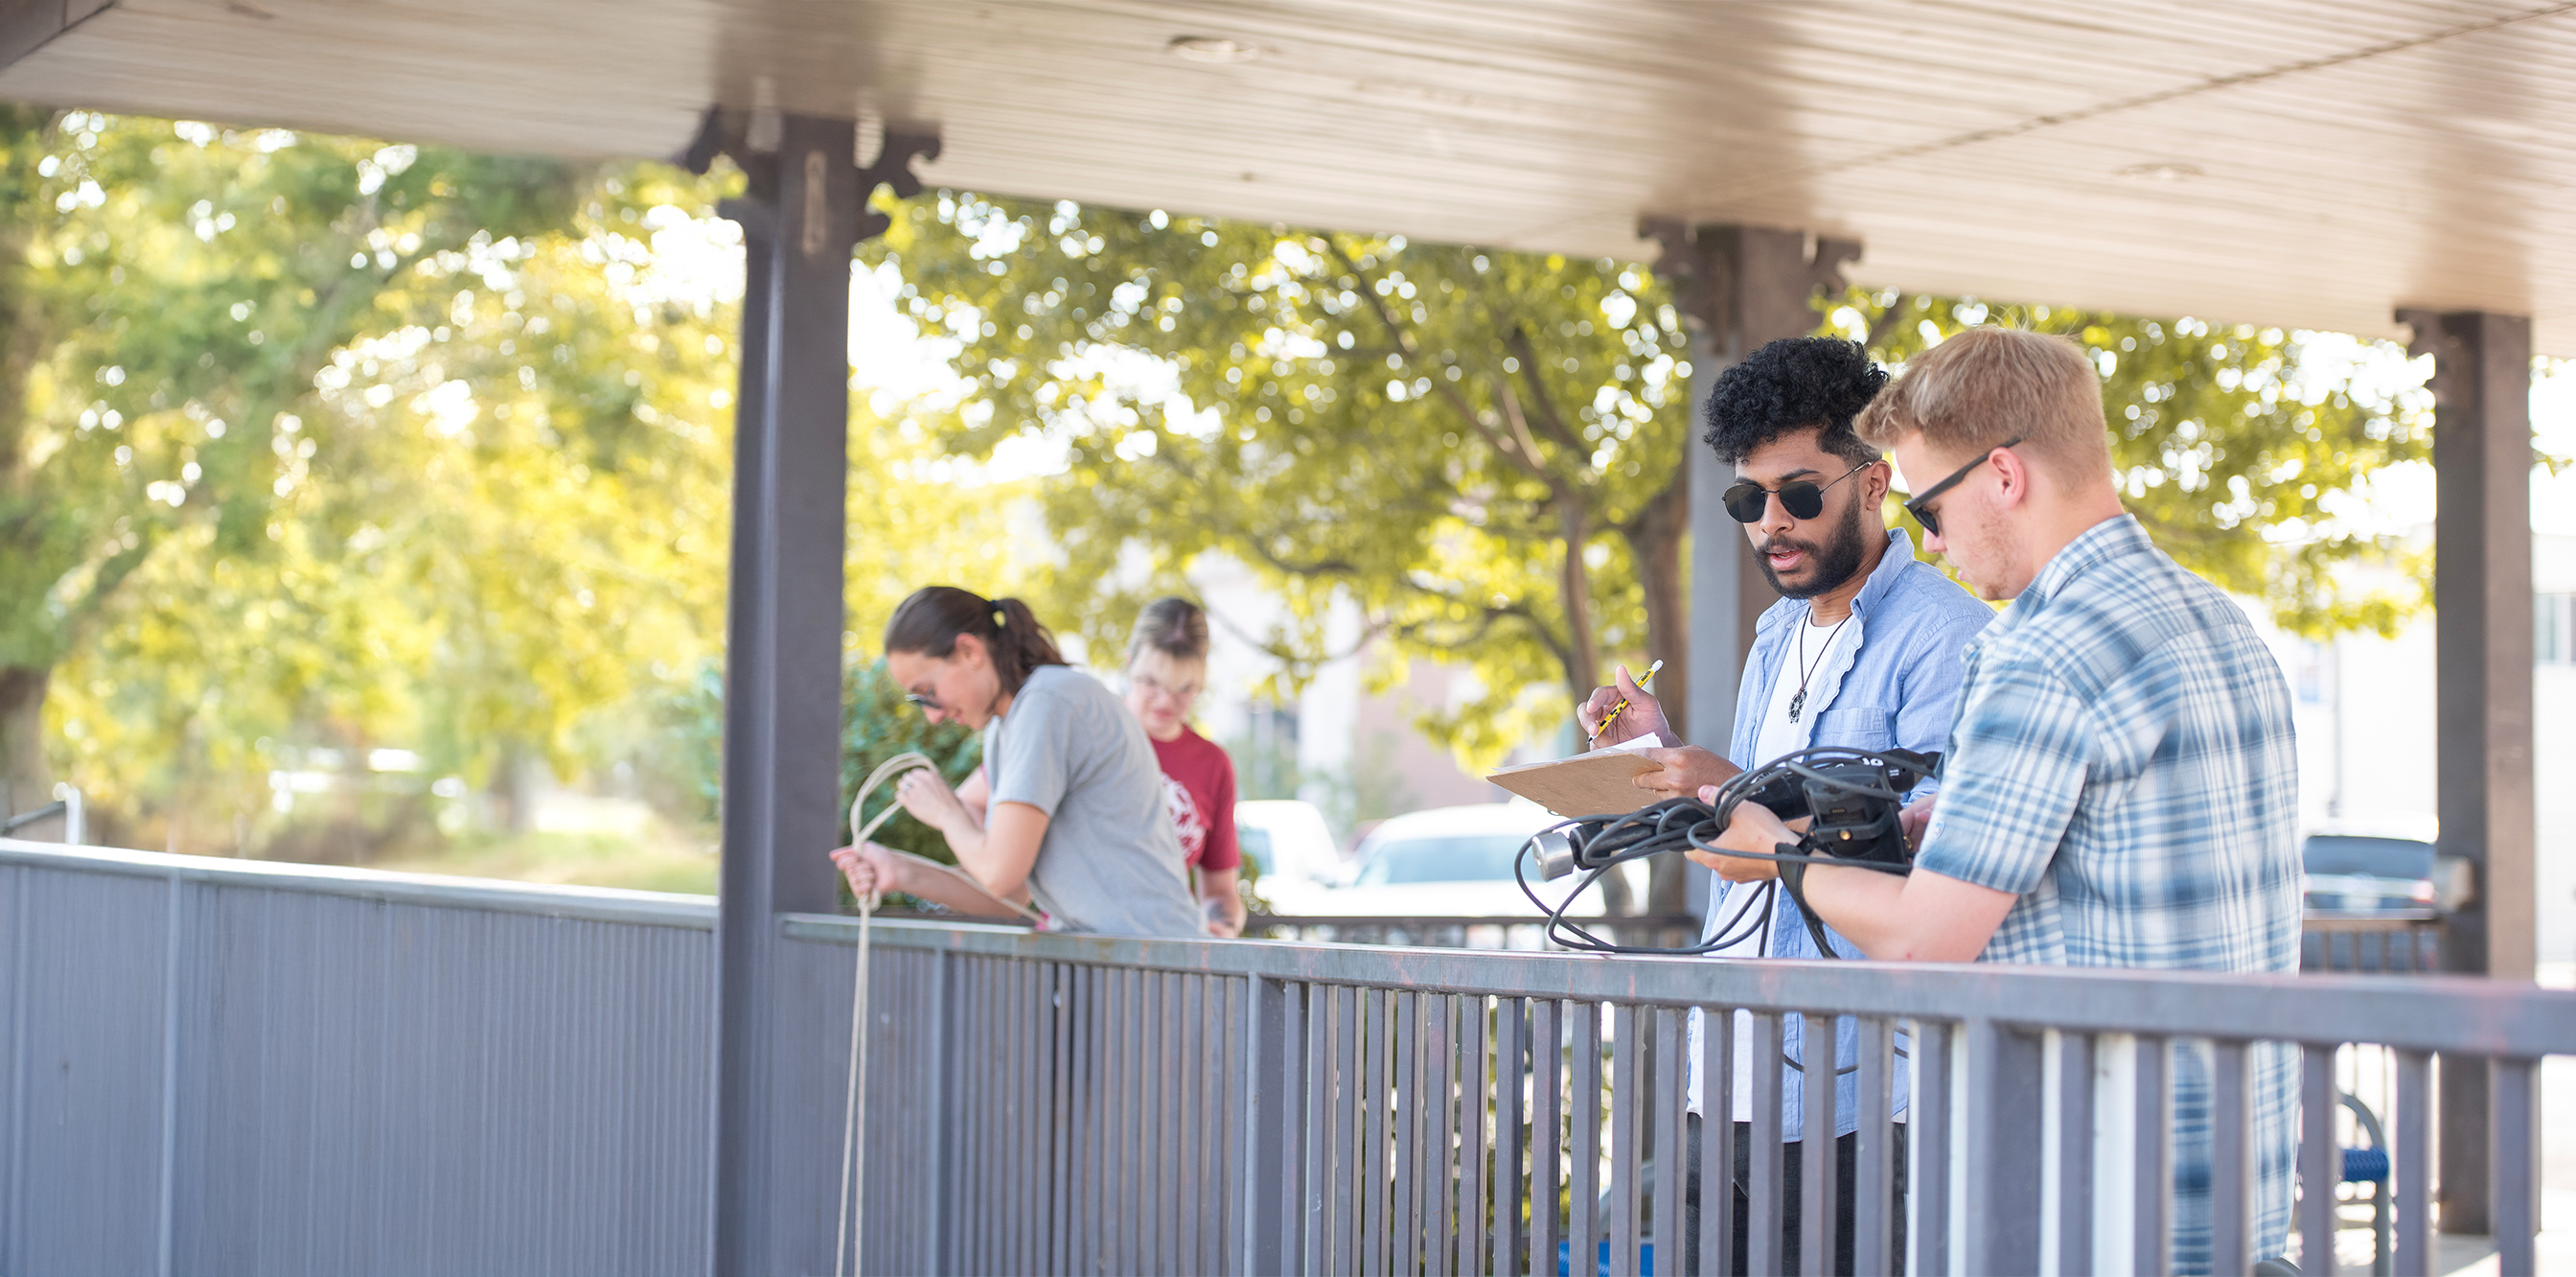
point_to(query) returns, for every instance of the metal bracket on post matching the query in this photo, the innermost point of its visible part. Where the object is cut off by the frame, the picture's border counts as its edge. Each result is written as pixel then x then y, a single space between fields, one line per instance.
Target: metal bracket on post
pixel 801 215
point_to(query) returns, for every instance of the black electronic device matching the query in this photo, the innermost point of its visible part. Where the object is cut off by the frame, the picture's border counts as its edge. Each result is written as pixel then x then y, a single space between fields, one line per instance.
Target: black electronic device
pixel 1852 799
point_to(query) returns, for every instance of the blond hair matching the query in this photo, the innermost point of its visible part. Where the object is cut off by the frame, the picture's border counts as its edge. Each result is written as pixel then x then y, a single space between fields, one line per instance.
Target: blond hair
pixel 1985 386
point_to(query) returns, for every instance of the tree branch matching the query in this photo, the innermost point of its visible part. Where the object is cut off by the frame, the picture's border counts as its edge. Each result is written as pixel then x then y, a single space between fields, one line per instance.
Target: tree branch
pixel 1412 354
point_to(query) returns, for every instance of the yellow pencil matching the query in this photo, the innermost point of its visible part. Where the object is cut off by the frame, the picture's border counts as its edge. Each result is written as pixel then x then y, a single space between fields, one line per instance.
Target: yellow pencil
pixel 1615 709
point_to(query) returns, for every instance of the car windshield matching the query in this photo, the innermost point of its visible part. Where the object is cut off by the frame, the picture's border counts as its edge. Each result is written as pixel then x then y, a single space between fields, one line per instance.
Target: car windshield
pixel 1452 858
pixel 2377 857
pixel 1255 843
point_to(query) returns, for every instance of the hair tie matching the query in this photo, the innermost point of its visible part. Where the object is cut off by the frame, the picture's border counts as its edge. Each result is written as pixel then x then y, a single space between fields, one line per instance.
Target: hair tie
pixel 1000 621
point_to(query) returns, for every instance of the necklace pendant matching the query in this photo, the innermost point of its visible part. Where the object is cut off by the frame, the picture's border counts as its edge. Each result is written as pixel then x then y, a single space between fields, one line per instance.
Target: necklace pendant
pixel 1797 703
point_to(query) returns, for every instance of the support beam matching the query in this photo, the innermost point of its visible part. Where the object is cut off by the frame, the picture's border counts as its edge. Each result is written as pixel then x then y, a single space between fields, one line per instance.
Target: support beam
pixel 2483 644
pixel 782 639
pixel 1741 288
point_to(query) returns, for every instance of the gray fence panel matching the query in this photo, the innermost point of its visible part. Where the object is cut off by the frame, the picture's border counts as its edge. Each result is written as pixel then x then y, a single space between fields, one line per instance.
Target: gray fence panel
pixel 86 1103
pixel 357 1075
pixel 218 1069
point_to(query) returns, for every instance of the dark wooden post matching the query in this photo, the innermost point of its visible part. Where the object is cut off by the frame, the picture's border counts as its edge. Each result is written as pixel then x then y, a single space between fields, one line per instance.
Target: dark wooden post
pixel 783 637
pixel 1740 288
pixel 2482 682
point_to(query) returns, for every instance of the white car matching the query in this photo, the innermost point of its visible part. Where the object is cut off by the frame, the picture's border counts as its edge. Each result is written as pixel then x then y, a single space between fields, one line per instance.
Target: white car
pixel 1449 862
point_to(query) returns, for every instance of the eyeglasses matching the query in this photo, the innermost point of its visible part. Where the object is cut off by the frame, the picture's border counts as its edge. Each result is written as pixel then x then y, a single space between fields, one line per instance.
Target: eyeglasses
pixel 925 701
pixel 1803 499
pixel 1182 694
pixel 1921 506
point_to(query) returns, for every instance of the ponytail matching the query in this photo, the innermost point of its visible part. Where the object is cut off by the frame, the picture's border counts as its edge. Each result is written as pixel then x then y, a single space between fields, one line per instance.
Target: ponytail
pixel 930 621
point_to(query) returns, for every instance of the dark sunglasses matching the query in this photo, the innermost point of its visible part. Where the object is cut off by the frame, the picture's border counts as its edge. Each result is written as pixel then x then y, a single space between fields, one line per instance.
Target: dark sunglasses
pixel 1920 506
pixel 1803 499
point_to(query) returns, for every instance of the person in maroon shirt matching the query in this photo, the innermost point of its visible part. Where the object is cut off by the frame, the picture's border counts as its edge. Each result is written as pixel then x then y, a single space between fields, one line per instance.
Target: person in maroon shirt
pixel 1166 670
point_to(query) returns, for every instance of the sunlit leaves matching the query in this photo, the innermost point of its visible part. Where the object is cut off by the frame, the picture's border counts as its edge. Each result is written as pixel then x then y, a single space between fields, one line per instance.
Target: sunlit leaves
pixel 1400 427
pixel 2239 448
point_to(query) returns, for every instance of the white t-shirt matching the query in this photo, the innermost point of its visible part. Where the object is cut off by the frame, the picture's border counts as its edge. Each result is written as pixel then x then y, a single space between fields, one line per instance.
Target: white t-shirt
pixel 1778 735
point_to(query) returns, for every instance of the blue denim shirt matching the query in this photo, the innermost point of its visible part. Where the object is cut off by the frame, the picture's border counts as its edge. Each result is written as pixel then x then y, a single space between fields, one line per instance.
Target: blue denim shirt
pixel 1890 684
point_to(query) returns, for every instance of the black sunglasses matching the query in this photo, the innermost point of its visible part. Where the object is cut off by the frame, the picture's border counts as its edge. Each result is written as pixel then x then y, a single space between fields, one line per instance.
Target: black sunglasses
pixel 1803 499
pixel 1920 506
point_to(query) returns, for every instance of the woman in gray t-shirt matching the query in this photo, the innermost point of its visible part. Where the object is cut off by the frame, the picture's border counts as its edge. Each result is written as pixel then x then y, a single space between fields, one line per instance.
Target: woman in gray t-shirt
pixel 1067 811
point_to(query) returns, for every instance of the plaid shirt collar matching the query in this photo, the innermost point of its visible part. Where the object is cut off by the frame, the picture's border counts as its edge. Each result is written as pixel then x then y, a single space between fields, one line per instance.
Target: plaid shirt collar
pixel 2115 538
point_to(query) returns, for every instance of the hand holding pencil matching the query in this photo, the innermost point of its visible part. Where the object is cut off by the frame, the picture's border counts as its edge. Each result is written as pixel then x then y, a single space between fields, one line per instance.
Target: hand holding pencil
pixel 1624 710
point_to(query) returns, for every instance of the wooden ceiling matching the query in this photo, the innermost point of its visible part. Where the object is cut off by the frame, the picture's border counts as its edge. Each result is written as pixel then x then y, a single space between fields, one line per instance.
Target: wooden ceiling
pixel 2296 162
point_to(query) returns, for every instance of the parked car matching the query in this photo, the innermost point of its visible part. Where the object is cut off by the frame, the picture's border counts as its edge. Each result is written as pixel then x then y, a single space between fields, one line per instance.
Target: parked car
pixel 1447 862
pixel 2381 866
pixel 1289 841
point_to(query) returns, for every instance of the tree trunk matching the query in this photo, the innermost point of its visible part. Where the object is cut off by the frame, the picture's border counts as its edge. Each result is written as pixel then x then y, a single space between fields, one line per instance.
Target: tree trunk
pixel 1574 586
pixel 1655 542
pixel 25 779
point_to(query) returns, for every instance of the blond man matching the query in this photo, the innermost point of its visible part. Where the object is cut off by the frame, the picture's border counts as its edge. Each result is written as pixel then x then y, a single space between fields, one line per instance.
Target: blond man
pixel 2121 787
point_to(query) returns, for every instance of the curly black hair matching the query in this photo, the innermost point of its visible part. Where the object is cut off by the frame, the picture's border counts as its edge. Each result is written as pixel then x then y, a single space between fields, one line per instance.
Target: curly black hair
pixel 1796 383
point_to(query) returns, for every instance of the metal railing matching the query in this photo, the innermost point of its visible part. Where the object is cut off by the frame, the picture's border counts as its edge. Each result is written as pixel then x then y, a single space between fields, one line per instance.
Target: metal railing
pixel 1121 1104
pixel 212 1067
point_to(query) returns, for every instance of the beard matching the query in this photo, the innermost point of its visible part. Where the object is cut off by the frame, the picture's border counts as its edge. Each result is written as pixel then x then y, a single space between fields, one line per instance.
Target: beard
pixel 1829 565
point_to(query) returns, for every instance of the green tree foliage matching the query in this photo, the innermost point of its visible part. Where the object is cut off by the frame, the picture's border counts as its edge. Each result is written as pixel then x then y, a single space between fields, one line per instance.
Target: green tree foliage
pixel 1482 450
pixel 168 295
pixel 2231 442
pixel 481 517
pixel 876 726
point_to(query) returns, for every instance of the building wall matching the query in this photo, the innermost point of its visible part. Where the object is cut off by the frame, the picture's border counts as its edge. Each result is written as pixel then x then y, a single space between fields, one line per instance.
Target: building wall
pixel 2365 708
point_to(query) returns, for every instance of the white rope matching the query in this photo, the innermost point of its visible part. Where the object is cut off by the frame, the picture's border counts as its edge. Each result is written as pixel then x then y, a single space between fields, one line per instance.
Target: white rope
pixel 848 1235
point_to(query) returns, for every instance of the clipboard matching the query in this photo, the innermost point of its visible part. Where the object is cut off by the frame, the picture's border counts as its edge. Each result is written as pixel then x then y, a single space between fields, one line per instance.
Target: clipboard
pixel 1595 783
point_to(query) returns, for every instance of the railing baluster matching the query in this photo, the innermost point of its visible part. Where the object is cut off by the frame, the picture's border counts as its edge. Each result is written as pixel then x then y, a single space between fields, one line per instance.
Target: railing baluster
pixel 2152 1238
pixel 1671 1072
pixel 1346 1063
pixel 1583 1097
pixel 1717 1141
pixel 1511 1036
pixel 2231 1245
pixel 1407 1108
pixel 2319 1171
pixel 1318 1056
pixel 1934 1115
pixel 1475 1086
pixel 1019 1045
pixel 1765 1195
pixel 2074 1154
pixel 1188 1185
pixel 1818 1085
pixel 2414 1139
pixel 1440 1042
pixel 1287 1218
pixel 1624 1108
pixel 2513 1120
pixel 1060 1120
pixel 988 1116
pixel 1873 1160
pixel 1371 1171
pixel 2002 1192
pixel 1547 1124
pixel 1081 1193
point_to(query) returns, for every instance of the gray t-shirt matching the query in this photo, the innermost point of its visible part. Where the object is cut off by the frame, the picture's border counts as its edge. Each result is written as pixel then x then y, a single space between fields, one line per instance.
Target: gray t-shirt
pixel 1110 861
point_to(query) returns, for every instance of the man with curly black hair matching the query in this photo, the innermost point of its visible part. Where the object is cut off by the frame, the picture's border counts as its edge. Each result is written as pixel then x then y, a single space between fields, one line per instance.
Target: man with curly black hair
pixel 1864 650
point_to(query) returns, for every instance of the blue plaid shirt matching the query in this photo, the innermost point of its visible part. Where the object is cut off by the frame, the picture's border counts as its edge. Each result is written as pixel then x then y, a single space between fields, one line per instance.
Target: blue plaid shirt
pixel 2123 760
pixel 1890 684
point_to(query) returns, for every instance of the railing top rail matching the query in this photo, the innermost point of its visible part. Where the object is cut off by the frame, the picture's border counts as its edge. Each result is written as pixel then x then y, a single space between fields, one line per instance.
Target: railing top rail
pixel 592 904
pixel 2426 1012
